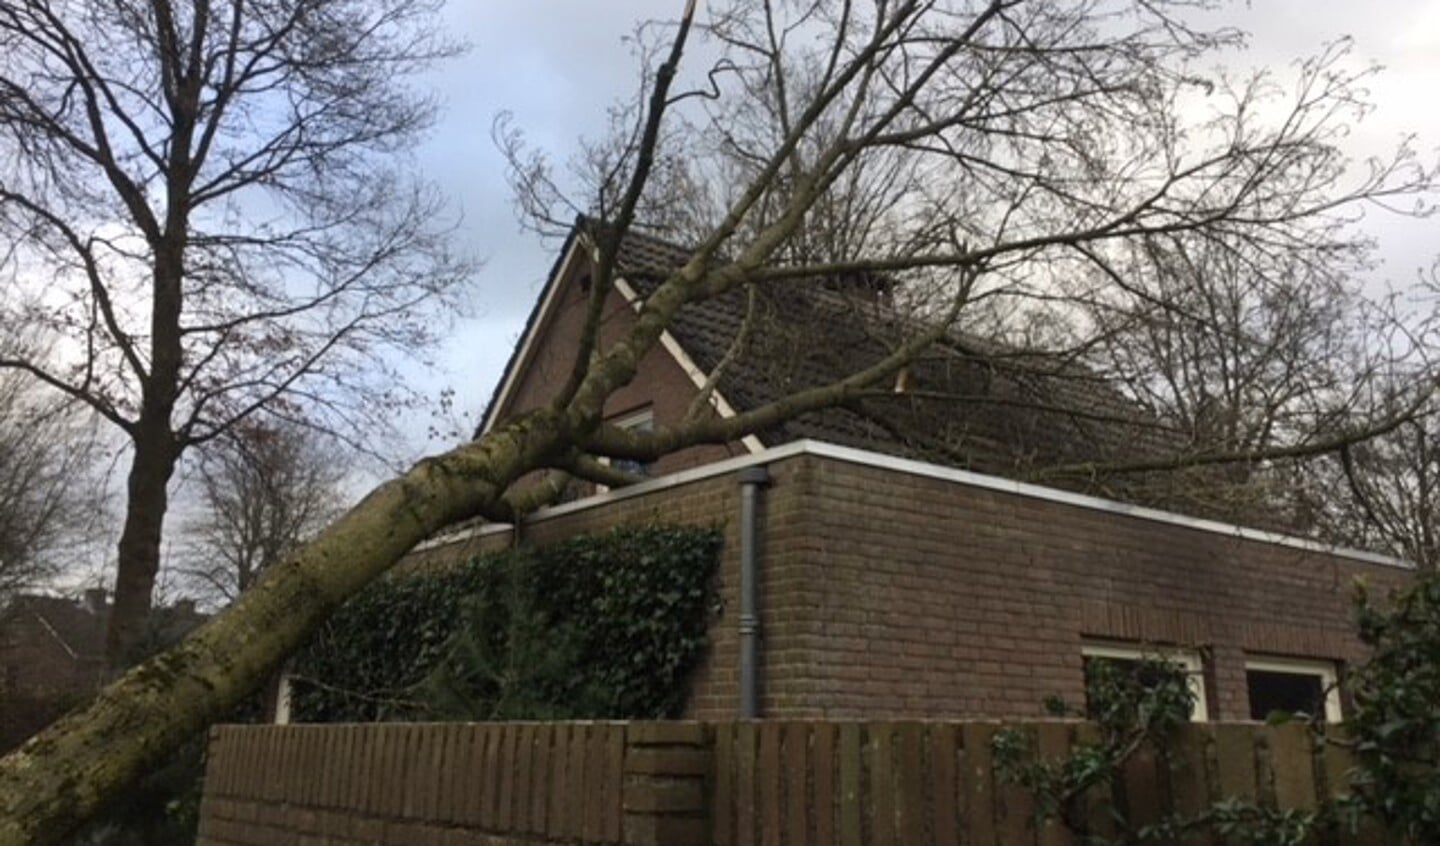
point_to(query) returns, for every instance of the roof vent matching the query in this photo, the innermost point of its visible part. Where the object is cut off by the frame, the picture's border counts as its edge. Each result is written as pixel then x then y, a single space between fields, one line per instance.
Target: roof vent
pixel 94 600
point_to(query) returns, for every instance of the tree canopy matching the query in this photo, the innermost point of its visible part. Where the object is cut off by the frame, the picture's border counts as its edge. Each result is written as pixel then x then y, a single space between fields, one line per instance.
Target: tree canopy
pixel 208 209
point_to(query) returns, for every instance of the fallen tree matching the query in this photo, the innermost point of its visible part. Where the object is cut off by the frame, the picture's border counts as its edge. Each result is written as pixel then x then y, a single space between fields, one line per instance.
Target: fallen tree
pixel 1058 141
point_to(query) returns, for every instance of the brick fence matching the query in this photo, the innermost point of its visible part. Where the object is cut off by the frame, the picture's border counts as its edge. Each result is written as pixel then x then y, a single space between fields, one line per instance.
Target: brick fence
pixel 688 784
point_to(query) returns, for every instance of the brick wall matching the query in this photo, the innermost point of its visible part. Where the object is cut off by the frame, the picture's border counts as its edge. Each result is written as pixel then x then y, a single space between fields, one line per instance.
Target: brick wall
pixel 690 784
pixel 940 598
pixel 890 594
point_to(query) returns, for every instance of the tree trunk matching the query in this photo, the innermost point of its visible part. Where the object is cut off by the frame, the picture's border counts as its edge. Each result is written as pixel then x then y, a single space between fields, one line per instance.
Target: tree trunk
pixel 139 551
pixel 156 449
pixel 66 773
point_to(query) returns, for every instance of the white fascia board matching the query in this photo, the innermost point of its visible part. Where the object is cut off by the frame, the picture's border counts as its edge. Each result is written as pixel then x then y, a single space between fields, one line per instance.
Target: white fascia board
pixel 923 469
pixel 649 486
pixel 687 364
pixel 1094 503
pixel 547 302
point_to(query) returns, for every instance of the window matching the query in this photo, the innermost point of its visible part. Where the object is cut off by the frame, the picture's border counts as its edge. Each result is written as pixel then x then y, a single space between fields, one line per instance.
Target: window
pixel 1292 686
pixel 1132 657
pixel 640 421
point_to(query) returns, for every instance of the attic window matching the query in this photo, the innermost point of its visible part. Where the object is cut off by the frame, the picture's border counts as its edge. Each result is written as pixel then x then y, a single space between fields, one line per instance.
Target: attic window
pixel 584 284
pixel 1292 686
pixel 639 421
pixel 1132 658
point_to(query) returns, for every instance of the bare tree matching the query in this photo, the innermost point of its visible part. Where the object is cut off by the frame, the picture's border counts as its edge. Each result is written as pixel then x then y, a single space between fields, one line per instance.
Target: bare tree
pixel 1385 492
pixel 50 495
pixel 263 491
pixel 1393 487
pixel 1047 137
pixel 1245 352
pixel 210 203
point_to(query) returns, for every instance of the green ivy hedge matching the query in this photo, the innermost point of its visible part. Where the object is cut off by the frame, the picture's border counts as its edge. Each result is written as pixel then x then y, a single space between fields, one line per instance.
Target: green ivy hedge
pixel 601 626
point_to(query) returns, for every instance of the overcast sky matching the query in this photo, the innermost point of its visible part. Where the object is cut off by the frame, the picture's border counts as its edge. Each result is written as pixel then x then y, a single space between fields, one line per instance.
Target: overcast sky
pixel 557 64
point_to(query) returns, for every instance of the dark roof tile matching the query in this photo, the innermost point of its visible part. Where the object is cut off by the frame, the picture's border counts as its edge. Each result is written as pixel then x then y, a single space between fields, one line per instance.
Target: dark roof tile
pixel 971 402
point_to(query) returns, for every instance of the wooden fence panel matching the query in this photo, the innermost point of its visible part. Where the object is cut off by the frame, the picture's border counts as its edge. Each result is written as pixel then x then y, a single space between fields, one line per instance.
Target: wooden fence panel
pixel 945 800
pixel 811 783
pixel 723 800
pixel 852 824
pixel 881 758
pixel 768 779
pixel 910 781
pixel 1235 758
pixel 745 818
pixel 1293 762
pixel 596 783
pixel 795 743
pixel 978 782
pixel 1144 802
pixel 823 767
pixel 559 779
pixel 1053 742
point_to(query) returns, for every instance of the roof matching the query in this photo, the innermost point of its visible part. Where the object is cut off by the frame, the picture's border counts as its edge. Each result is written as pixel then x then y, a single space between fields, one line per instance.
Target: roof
pixel 968 402
pixel 80 628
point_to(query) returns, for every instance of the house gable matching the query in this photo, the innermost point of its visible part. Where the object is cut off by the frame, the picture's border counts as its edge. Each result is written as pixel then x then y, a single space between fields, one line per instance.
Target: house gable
pixel 667 380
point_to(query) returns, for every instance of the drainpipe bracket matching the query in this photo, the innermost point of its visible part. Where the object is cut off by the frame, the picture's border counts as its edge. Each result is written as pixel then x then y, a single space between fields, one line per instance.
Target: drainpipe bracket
pixel 754 475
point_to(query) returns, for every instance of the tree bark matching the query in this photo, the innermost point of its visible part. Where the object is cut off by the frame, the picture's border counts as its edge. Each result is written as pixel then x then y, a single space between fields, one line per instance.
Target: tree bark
pixel 138 560
pixel 156 446
pixel 63 775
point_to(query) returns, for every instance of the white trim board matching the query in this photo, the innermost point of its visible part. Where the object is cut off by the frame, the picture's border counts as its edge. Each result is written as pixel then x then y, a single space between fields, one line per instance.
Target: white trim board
pixel 687 364
pixel 547 301
pixel 927 470
pixel 1095 503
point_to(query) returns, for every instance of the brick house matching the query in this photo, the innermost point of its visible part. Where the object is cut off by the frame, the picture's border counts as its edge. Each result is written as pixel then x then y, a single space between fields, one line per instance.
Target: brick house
pixel 52 655
pixel 902 569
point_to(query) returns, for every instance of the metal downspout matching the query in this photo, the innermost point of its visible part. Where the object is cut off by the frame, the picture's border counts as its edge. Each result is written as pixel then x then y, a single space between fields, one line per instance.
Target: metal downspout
pixel 751 479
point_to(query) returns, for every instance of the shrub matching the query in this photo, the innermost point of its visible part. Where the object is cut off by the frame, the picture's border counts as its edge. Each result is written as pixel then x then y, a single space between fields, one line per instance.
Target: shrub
pixel 1395 724
pixel 600 626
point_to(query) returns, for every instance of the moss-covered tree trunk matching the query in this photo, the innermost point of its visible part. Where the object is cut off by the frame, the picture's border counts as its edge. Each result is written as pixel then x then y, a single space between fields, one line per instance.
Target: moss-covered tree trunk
pixel 64 774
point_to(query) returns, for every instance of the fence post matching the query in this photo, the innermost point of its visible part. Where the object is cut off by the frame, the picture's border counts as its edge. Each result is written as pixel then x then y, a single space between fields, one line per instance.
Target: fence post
pixel 665 794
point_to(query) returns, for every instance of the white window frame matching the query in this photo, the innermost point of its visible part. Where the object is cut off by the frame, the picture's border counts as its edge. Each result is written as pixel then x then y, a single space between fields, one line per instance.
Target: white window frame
pixel 636 418
pixel 1325 669
pixel 633 420
pixel 1188 659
